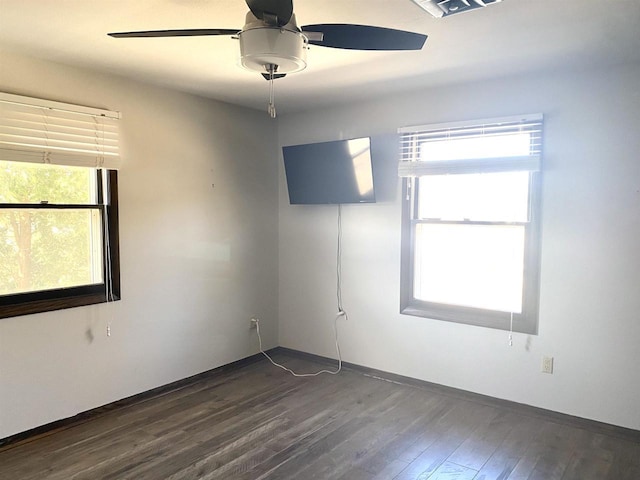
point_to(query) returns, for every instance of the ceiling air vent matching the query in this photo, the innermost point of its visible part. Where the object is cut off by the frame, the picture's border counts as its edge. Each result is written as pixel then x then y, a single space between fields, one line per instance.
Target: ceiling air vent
pixel 444 8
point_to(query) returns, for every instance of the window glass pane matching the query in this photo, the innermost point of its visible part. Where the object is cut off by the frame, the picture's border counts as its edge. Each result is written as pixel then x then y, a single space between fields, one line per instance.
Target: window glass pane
pixel 494 197
pixel 477 266
pixel 38 183
pixel 489 146
pixel 47 249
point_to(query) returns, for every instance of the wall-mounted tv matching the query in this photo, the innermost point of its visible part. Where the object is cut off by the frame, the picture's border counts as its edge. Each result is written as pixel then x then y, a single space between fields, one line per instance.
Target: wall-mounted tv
pixel 330 172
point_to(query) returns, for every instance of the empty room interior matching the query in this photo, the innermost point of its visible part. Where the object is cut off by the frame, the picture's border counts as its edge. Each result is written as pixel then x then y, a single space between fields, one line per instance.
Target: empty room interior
pixel 333 240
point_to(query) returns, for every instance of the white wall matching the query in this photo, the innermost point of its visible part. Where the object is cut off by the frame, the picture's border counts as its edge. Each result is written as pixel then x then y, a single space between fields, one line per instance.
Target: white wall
pixel 197 260
pixel 590 295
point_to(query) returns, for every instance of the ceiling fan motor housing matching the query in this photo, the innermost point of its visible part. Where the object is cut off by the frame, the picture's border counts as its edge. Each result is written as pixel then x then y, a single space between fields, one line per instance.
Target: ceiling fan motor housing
pixel 263 45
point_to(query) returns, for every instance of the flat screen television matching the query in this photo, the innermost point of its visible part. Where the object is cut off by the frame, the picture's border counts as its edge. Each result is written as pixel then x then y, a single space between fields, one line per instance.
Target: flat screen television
pixel 330 172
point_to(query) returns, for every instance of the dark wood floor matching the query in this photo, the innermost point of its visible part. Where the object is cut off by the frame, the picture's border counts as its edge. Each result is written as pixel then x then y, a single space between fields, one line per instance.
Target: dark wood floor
pixel 257 422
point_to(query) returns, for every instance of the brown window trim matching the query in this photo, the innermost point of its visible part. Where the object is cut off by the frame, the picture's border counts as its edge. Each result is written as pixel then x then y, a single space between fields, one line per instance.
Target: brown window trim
pixel 526 322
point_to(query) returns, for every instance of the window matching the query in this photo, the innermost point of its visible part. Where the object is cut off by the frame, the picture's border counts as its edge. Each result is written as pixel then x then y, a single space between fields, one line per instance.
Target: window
pixel 470 236
pixel 58 206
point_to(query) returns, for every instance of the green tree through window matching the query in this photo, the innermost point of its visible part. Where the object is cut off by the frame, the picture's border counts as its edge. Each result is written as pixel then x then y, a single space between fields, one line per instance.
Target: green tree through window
pixel 51 229
pixel 44 249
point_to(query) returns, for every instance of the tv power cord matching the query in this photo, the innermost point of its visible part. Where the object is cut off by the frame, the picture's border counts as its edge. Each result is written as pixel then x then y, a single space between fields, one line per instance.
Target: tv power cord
pixel 341 313
pixel 295 374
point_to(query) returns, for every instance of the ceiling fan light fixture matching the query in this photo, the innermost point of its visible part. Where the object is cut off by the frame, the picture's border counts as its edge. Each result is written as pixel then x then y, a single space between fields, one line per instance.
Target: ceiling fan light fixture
pixel 263 46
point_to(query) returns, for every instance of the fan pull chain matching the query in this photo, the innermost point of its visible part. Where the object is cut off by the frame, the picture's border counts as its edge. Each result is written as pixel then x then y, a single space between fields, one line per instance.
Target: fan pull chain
pixel 271 109
pixel 511 331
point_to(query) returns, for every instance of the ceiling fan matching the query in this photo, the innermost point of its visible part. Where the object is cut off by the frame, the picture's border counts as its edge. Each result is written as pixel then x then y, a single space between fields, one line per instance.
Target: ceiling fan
pixel 272 44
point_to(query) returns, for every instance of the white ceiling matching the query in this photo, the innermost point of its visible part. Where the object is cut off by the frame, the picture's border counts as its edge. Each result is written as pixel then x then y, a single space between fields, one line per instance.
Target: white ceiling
pixel 512 37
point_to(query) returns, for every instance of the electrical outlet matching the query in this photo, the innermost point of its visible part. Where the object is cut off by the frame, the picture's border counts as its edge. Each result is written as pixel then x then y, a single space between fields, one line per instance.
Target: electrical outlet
pixel 547 364
pixel 253 323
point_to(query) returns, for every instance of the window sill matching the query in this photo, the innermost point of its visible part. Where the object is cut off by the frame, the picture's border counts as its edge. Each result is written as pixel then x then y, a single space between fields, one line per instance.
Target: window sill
pixel 470 316
pixel 27 304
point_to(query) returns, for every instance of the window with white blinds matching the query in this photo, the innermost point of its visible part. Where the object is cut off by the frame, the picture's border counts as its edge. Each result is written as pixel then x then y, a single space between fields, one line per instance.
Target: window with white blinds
pixel 470 147
pixel 41 131
pixel 471 221
pixel 59 244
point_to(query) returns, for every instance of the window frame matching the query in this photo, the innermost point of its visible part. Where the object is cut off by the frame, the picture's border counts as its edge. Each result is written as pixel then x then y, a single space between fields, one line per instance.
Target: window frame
pixel 56 299
pixel 524 322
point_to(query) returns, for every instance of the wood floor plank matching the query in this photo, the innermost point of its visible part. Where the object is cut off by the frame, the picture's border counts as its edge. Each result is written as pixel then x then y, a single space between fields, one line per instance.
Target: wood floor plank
pixel 504 460
pixel 164 454
pixel 450 471
pixel 405 446
pixel 259 423
pixel 384 421
pixel 548 457
pixel 448 434
pixel 625 463
pixel 474 452
pixel 293 454
pixel 390 470
pixel 290 467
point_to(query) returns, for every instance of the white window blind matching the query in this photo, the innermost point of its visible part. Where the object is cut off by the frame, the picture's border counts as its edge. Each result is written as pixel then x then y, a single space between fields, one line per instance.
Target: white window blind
pixel 42 131
pixel 468 147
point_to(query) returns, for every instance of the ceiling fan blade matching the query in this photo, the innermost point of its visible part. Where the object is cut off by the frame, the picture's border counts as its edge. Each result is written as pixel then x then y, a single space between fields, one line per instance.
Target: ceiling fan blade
pixel 175 33
pixel 273 12
pixel 364 37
